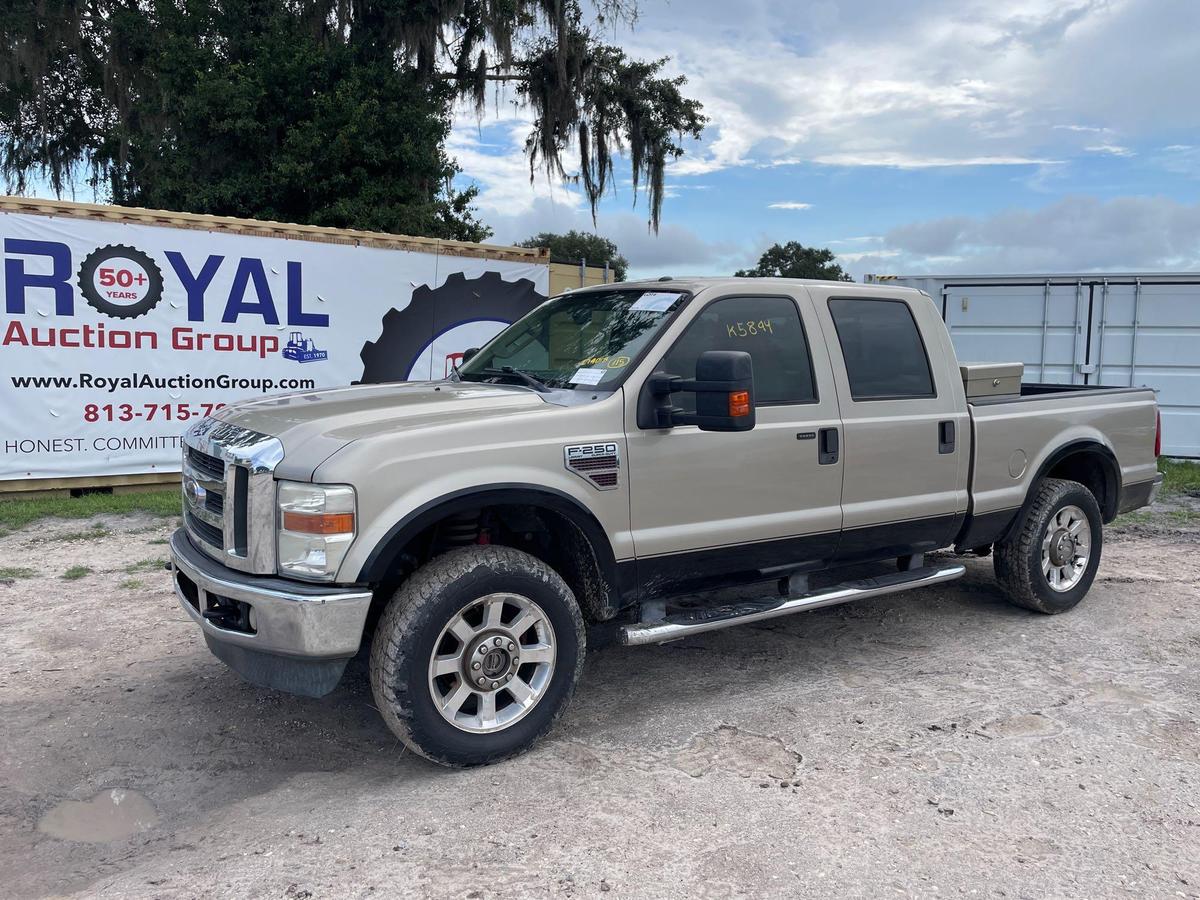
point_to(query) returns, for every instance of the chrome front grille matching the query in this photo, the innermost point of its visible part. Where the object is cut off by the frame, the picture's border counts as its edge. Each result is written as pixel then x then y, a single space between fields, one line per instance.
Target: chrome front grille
pixel 210 467
pixel 229 493
pixel 207 533
pixel 215 503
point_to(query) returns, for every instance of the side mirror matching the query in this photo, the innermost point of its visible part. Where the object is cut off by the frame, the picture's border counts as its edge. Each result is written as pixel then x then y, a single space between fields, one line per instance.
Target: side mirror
pixel 469 353
pixel 724 389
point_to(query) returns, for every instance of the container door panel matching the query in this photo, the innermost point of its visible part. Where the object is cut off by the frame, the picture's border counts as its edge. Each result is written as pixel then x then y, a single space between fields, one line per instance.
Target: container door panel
pixel 1149 334
pixel 1043 328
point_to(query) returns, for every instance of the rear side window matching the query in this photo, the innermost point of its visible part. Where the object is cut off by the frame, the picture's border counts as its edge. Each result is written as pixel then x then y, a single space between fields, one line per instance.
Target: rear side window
pixel 885 357
pixel 769 329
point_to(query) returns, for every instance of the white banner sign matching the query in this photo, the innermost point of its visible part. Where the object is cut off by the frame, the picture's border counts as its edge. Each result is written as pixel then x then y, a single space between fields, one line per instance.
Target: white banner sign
pixel 114 335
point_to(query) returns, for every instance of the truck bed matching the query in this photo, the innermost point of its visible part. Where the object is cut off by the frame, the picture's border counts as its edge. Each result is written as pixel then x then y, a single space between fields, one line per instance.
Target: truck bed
pixel 1014 437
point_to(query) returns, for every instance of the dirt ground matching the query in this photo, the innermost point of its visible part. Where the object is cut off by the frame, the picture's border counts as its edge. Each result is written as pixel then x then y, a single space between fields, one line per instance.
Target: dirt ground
pixel 932 743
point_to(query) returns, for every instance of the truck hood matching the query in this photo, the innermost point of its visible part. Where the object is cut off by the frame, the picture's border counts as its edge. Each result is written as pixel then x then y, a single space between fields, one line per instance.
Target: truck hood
pixel 316 424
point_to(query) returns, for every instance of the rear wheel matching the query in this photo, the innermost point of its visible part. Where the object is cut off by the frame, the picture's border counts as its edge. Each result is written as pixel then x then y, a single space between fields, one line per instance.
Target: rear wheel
pixel 477 655
pixel 1049 561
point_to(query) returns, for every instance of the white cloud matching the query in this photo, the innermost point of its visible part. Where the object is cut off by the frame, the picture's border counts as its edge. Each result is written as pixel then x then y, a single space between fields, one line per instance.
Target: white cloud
pixel 867 254
pixel 1037 85
pixel 926 83
pixel 861 239
pixel 500 169
pixel 1075 234
pixel 675 250
pixel 905 161
pixel 1111 149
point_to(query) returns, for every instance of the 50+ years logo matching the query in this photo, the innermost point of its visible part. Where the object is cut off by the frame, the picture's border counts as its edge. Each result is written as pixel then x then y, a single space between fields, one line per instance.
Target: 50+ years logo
pixel 120 281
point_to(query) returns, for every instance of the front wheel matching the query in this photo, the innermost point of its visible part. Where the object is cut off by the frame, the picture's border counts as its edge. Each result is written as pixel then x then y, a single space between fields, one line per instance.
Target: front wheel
pixel 1049 560
pixel 477 655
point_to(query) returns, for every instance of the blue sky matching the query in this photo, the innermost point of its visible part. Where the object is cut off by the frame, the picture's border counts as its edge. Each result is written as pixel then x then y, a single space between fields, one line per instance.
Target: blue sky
pixel 922 136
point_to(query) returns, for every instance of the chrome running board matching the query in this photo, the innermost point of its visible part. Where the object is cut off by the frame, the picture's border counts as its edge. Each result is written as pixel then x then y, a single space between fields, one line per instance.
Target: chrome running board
pixel 698 621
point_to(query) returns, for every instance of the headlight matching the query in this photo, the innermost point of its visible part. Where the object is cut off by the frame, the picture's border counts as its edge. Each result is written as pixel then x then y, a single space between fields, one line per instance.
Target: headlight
pixel 316 526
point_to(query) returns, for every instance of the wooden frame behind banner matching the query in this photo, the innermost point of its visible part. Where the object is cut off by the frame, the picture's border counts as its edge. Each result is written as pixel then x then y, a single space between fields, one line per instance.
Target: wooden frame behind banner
pixel 260 228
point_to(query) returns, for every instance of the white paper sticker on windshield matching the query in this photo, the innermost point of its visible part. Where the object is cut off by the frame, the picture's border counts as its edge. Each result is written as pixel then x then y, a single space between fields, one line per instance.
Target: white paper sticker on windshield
pixel 587 376
pixel 654 301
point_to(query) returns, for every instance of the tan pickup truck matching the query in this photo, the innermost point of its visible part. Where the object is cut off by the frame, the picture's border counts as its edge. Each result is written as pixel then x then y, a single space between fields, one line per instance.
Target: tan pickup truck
pixel 606 467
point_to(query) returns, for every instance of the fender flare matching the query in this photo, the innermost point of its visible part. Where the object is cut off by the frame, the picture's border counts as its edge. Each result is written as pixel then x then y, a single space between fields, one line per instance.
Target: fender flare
pixel 375 568
pixel 1111 469
pixel 995 526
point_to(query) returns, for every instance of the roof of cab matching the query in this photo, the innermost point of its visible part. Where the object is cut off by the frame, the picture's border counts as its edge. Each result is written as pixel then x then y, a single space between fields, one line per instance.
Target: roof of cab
pixel 695 284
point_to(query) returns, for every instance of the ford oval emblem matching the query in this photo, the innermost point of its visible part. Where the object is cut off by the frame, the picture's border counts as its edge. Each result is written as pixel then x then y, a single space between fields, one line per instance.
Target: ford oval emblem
pixel 194 491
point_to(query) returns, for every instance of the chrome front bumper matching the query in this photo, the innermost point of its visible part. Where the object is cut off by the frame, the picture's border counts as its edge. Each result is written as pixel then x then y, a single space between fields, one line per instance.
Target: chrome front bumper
pixel 291 635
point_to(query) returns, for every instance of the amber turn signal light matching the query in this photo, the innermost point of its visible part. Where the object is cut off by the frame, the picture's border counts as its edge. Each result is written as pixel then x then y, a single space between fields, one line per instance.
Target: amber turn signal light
pixel 318 523
pixel 739 404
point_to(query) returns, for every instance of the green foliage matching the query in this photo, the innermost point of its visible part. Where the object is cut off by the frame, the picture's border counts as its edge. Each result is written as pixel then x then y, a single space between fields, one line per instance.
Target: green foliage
pixel 1180 476
pixel 794 260
pixel 11 574
pixel 576 245
pixel 322 112
pixel 75 573
pixel 15 514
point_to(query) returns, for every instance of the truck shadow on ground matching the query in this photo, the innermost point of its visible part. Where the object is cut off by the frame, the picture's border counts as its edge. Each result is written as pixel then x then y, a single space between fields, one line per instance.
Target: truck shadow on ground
pixel 876 640
pixel 195 738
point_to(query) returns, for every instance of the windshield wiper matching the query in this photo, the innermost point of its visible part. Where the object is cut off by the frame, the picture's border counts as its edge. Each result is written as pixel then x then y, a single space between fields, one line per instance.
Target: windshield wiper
pixel 524 377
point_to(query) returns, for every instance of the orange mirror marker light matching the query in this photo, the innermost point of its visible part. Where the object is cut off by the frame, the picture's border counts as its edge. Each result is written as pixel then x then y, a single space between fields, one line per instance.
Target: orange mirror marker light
pixel 739 403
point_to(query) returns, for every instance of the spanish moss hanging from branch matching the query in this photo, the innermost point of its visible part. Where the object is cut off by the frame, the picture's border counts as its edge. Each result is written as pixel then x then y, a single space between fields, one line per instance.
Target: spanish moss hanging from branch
pixel 331 112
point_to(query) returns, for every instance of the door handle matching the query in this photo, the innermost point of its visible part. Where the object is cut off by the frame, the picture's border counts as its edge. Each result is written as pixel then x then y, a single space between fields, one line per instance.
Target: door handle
pixel 946 437
pixel 827 446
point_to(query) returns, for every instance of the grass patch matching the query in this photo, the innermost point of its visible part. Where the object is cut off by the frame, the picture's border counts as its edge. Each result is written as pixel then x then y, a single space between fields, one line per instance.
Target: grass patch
pixel 1180 476
pixel 131 584
pixel 1140 517
pixel 16 514
pixel 1183 516
pixel 9 574
pixel 146 565
pixel 159 541
pixel 75 573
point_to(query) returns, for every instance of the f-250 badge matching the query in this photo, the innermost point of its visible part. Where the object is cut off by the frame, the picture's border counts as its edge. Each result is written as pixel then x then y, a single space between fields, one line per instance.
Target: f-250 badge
pixel 599 464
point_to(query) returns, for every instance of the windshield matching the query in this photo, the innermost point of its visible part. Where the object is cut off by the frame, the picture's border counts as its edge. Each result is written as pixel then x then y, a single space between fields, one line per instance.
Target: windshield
pixel 576 340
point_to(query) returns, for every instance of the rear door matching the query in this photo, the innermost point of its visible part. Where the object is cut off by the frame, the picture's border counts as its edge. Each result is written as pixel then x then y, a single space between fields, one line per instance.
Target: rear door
pixel 904 418
pixel 711 509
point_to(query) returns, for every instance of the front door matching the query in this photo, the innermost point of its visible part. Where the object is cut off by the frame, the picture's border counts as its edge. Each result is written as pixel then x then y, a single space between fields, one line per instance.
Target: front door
pixel 710 509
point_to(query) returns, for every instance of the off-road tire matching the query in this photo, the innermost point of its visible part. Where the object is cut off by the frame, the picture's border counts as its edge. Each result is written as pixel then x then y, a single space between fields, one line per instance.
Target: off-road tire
pixel 407 332
pixel 408 631
pixel 1018 558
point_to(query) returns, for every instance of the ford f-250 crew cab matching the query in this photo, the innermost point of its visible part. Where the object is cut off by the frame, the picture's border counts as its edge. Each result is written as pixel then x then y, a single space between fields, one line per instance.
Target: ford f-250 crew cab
pixel 606 463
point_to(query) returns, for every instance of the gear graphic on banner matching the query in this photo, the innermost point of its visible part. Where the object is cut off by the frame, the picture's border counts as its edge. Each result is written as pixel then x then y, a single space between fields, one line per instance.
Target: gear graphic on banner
pixel 425 339
pixel 120 281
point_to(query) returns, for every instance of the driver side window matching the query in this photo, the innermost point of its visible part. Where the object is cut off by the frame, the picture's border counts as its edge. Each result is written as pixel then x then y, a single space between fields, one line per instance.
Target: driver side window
pixel 769 329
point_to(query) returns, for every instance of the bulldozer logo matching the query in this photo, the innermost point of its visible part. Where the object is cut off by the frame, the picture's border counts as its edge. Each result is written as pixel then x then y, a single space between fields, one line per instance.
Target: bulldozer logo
pixel 302 349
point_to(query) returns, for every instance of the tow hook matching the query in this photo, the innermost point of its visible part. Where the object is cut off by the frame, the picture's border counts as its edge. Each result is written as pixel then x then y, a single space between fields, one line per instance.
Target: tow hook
pixel 232 615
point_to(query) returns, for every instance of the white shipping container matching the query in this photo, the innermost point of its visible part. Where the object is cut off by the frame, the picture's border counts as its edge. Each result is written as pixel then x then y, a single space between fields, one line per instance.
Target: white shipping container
pixel 1113 329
